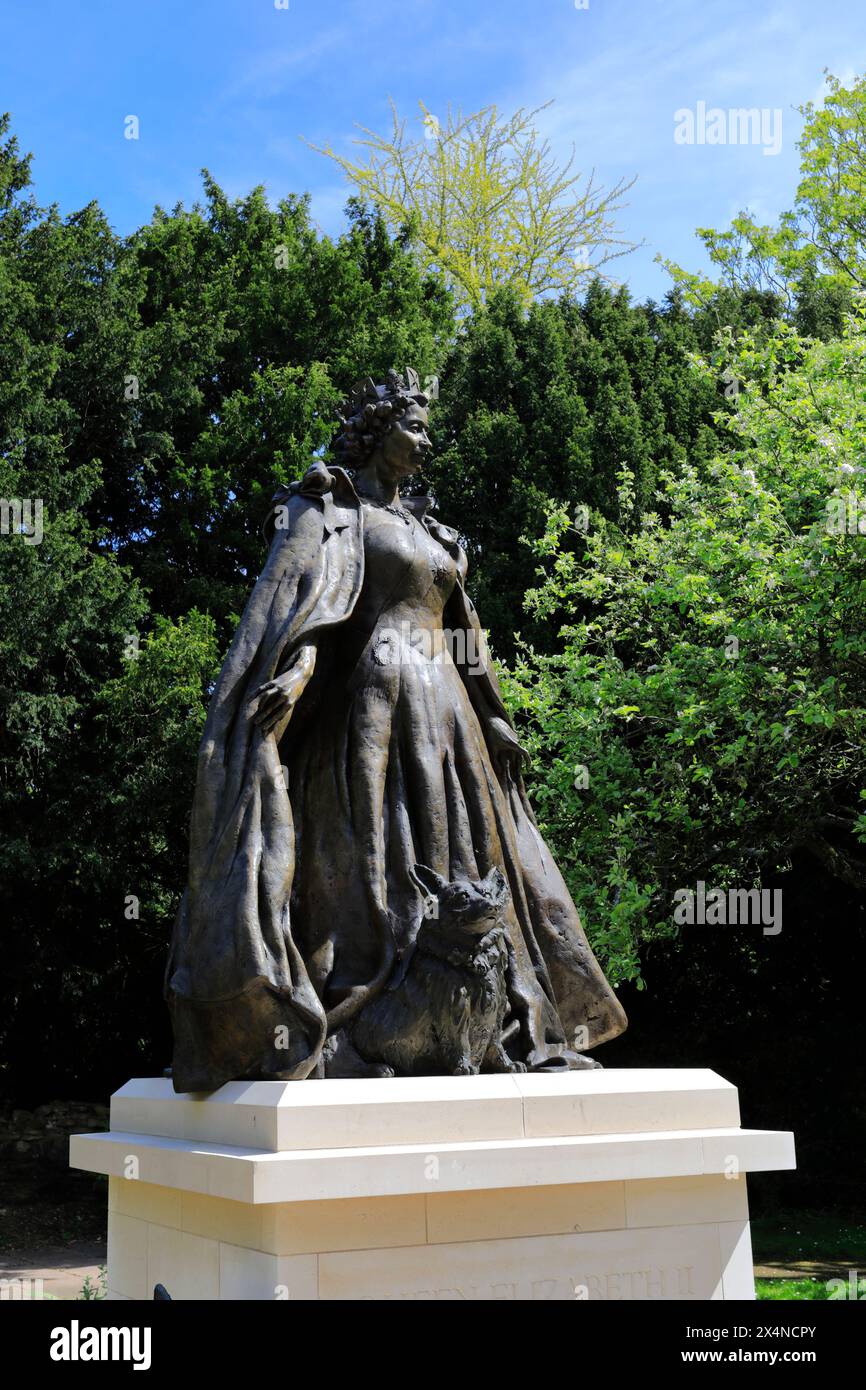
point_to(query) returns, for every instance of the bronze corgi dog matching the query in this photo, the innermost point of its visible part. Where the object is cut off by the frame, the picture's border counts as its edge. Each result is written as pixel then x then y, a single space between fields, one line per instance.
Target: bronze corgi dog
pixel 443 1012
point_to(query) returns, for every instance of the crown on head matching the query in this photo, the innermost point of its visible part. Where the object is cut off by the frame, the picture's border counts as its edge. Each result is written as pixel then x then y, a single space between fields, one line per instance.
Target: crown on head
pixel 371 408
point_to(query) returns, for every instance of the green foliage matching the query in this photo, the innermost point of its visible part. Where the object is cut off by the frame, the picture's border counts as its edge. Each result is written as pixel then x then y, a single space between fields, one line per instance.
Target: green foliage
pixel 488 205
pixel 712 670
pixel 153 394
pixel 65 607
pixel 247 329
pixel 784 1290
pixel 155 391
pixel 92 1291
pixel 544 408
pixel 148 722
pixel 816 255
pixel 832 1288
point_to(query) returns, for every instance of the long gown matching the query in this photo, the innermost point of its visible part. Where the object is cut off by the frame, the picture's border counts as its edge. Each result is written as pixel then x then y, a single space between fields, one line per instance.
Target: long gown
pixel 300 903
pixel 396 771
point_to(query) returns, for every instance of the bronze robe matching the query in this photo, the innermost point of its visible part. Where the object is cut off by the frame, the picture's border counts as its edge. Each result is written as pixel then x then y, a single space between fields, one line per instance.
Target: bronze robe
pixel 300 903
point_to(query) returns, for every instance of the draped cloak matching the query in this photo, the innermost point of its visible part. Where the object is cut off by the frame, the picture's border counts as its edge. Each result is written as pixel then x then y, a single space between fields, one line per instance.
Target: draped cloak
pixel 239 990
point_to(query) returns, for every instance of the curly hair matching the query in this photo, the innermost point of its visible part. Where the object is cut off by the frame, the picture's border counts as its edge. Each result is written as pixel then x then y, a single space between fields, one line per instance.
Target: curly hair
pixel 371 410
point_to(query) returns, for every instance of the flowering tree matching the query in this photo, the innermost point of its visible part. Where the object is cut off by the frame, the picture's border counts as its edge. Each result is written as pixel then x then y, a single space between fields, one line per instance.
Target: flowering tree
pixel 705 715
pixel 488 204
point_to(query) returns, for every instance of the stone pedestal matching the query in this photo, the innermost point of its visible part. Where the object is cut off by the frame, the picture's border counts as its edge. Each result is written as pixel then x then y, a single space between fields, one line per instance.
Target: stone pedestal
pixel 588 1185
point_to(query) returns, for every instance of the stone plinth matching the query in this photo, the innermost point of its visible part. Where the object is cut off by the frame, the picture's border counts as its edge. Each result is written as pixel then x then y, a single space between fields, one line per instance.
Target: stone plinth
pixel 588 1185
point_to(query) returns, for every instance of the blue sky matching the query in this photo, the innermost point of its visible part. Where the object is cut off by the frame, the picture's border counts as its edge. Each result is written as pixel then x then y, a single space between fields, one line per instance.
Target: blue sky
pixel 234 84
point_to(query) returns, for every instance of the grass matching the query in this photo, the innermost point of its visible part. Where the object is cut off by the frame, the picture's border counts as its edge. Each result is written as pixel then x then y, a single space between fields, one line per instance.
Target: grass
pixel 828 1248
pixel 774 1290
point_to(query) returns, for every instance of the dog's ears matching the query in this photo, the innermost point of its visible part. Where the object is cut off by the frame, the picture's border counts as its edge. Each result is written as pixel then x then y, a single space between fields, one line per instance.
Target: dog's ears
pixel 430 883
pixel 496 883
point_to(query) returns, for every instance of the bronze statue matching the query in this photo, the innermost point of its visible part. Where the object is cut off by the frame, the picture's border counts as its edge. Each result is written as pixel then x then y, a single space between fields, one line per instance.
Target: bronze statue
pixel 357 741
pixel 446 1008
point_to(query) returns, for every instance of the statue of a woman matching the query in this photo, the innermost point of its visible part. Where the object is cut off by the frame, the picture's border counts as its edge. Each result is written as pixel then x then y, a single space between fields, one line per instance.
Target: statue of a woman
pixel 356 733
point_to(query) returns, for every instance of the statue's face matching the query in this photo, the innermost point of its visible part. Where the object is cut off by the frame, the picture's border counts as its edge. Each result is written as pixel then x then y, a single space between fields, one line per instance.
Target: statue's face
pixel 407 444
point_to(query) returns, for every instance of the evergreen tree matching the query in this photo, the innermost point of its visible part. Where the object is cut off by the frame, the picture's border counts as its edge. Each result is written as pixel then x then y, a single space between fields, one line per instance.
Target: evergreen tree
pixel 249 329
pixel 153 393
pixel 545 407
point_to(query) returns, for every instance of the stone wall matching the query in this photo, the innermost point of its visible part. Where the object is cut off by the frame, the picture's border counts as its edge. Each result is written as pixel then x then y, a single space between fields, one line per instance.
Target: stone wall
pixel 43 1133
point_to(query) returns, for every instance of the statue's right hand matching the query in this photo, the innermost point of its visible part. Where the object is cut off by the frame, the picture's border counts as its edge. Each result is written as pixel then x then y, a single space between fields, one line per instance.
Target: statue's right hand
pixel 278 697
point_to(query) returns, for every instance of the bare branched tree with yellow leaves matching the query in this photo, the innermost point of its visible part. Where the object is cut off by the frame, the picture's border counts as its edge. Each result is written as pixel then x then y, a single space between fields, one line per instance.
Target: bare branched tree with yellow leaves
pixel 488 204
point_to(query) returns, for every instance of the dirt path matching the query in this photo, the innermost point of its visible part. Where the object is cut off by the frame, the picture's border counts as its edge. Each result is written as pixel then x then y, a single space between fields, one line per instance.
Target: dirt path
pixel 809 1269
pixel 62 1270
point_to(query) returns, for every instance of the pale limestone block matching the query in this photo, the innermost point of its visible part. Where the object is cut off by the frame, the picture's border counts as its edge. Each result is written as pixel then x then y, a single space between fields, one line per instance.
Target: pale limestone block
pixel 607 1211
pixel 626 1102
pixel 150 1115
pixel 221 1171
pixel 356 1113
pixel 315 1175
pixel 748 1151
pixel 246 1125
pixel 187 1265
pixel 328 1173
pixel 681 1265
pixel 515 1211
pixel 738 1271
pixel 406 1110
pixel 325 1114
pixel 127 1255
pixel 252 1274
pixel 238 1223
pixel 181 1163
pixel 145 1200
pixel 688 1201
pixel 364 1223
pixel 242 1113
